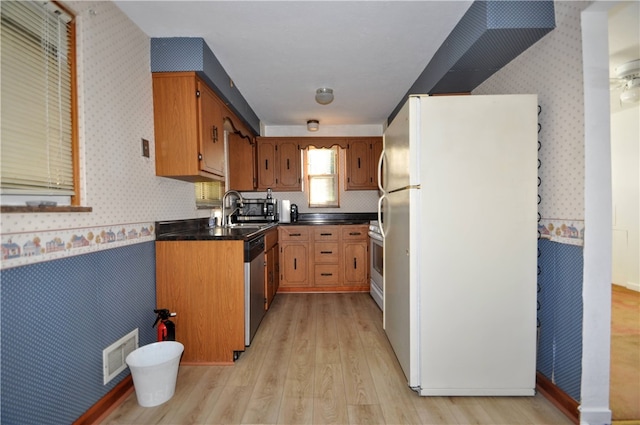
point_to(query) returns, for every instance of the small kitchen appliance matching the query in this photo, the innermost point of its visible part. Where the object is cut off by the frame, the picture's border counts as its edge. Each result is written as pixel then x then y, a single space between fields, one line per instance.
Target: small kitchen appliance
pixel 285 211
pixel 257 210
pixel 294 213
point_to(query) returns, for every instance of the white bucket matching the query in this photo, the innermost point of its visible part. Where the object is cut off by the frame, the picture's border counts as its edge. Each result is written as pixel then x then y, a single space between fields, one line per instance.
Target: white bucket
pixel 154 368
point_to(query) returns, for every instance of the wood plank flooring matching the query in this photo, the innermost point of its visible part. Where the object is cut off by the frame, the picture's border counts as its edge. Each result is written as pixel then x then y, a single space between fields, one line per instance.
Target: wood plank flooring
pixel 624 395
pixel 322 359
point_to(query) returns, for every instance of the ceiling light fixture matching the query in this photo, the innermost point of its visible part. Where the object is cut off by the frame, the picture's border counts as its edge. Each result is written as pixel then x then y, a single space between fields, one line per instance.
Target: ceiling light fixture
pixel 631 91
pixel 630 71
pixel 324 96
pixel 313 125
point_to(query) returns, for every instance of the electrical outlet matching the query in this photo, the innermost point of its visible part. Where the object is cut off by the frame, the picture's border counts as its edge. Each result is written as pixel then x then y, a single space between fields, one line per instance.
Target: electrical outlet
pixel 145 148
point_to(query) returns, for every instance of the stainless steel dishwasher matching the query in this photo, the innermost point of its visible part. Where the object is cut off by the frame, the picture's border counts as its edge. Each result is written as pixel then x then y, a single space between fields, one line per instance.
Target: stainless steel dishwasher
pixel 254 294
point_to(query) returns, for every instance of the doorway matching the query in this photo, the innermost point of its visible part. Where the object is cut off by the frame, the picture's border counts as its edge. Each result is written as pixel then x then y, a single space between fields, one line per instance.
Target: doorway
pixel 624 47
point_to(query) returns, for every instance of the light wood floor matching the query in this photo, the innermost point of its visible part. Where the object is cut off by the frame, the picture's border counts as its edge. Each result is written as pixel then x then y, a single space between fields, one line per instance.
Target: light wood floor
pixel 322 359
pixel 624 395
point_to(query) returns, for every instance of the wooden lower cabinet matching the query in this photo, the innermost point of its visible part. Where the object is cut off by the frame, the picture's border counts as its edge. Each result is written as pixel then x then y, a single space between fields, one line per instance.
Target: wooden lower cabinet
pixel 294 265
pixel 203 283
pixel 272 266
pixel 324 258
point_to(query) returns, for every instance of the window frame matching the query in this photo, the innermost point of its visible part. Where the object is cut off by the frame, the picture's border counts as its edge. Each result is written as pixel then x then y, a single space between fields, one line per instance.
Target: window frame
pixel 12 203
pixel 335 176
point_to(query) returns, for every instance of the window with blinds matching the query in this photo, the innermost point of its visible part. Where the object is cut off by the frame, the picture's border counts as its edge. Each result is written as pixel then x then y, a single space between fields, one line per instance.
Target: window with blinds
pixel 209 194
pixel 37 99
pixel 322 173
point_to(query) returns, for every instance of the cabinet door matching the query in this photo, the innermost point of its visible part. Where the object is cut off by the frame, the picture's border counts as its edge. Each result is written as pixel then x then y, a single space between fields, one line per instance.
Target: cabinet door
pixel 376 152
pixel 269 278
pixel 355 263
pixel 288 166
pixel 266 164
pixel 242 163
pixel 294 264
pixel 358 164
pixel 175 110
pixel 211 136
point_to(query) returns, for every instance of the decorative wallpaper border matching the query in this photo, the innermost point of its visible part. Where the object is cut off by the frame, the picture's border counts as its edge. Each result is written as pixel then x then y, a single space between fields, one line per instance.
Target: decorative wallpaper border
pixel 20 249
pixel 570 232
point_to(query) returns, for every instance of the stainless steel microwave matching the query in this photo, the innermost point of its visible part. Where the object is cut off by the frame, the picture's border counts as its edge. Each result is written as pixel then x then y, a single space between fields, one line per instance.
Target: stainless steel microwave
pixel 264 210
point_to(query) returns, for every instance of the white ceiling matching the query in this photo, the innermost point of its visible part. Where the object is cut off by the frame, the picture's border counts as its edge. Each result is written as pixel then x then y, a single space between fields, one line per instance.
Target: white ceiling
pixel 279 52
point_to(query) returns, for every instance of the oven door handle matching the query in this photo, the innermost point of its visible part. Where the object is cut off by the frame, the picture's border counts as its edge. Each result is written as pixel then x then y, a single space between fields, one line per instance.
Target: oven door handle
pixel 376 236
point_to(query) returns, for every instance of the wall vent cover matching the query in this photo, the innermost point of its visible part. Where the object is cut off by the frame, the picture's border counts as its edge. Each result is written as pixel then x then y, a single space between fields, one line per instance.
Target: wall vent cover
pixel 113 357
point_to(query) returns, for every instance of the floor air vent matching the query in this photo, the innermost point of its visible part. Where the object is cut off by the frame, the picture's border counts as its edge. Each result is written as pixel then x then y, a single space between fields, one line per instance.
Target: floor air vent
pixel 113 357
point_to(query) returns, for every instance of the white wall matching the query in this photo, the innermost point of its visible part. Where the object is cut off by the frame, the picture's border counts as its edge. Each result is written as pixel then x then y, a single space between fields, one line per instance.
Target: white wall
pixel 625 171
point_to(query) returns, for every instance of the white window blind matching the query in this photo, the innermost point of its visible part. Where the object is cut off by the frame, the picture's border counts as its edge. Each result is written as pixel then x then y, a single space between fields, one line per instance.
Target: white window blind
pixel 36 136
pixel 209 193
pixel 322 172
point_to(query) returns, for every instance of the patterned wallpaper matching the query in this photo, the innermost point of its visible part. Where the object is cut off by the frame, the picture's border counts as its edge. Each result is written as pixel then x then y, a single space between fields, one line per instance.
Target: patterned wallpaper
pixel 552 68
pixel 115 113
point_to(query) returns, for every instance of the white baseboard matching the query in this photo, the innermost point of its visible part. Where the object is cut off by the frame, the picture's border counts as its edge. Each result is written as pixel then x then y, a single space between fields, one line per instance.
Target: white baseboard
pixel 634 286
pixel 592 416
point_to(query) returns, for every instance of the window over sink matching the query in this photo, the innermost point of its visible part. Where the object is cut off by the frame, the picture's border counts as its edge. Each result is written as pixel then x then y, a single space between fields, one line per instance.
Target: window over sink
pixel 322 173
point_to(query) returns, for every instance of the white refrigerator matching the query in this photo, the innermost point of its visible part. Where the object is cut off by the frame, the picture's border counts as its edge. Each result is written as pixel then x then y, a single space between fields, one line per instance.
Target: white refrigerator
pixel 458 211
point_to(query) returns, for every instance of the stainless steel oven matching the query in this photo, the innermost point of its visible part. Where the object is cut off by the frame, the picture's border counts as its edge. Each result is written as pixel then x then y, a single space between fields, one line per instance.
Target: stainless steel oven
pixel 376 250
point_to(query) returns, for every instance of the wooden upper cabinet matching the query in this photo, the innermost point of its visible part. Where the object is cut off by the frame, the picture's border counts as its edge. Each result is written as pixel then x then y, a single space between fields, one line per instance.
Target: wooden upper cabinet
pixel 362 162
pixel 266 163
pixel 211 131
pixel 188 118
pixel 279 163
pixel 241 149
pixel 288 156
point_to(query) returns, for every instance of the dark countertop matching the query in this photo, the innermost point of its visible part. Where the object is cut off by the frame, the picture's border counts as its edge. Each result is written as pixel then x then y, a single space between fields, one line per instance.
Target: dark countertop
pixel 198 229
pixel 308 219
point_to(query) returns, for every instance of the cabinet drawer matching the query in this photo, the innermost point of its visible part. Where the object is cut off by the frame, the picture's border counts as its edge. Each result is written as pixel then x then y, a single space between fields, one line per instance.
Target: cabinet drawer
pixel 326 274
pixel 294 233
pixel 325 233
pixel 352 233
pixel 325 252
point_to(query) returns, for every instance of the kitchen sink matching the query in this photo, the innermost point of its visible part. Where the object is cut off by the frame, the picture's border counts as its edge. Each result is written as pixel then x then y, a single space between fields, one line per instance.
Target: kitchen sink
pixel 246 225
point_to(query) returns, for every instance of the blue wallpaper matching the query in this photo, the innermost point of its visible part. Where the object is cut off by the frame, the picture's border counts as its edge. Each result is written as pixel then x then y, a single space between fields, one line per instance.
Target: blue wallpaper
pixel 489 35
pixel 560 315
pixel 57 317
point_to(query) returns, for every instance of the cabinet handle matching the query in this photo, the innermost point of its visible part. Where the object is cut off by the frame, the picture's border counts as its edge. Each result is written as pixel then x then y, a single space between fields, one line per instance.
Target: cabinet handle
pixel 214 133
pixel 358 162
pixel 326 252
pixel 326 274
pixel 295 234
pixel 355 233
pixel 295 264
pixel 266 164
pixel 355 263
pixel 326 234
pixel 287 163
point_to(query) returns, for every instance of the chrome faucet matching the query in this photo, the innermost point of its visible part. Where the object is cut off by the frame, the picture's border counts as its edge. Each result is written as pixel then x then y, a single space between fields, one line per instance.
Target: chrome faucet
pixel 226 218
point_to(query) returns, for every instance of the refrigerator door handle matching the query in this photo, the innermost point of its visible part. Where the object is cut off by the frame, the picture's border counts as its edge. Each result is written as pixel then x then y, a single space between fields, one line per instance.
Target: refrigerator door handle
pixel 380 160
pixel 380 200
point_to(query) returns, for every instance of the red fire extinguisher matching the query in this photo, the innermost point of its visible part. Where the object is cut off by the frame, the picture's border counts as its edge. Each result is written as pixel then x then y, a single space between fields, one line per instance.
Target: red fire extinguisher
pixel 166 328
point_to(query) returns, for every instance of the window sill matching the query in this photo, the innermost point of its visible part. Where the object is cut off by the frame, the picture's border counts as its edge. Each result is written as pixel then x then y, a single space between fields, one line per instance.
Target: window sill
pixel 8 209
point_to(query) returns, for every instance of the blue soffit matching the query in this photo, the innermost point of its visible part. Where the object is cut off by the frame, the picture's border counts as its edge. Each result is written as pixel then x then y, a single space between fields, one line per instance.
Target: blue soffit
pixel 180 54
pixel 489 36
